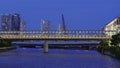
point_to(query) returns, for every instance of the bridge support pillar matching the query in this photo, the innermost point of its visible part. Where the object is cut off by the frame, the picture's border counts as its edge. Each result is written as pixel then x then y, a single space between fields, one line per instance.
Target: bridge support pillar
pixel 46 47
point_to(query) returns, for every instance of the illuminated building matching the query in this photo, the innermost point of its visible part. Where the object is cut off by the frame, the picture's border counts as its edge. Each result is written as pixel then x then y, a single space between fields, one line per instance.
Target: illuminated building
pixel 22 26
pixel 15 22
pixel 45 25
pixel 6 22
pixel 113 25
pixel 10 22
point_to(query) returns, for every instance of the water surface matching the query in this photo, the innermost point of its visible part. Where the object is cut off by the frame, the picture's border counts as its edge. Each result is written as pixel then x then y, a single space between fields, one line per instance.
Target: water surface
pixel 56 58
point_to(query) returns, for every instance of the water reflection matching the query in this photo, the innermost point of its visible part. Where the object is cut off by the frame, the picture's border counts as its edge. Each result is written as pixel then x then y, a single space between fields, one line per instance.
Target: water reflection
pixel 56 58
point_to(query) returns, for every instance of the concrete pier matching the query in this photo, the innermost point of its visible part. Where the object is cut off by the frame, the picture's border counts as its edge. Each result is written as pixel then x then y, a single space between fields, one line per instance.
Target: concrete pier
pixel 46 47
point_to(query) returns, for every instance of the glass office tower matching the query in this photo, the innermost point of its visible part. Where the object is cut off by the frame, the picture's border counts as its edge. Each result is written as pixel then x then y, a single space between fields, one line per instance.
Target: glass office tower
pixel 15 22
pixel 6 21
pixel 10 22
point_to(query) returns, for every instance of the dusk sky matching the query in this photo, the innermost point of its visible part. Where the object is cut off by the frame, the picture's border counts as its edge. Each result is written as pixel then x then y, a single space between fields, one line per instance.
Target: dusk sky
pixel 79 14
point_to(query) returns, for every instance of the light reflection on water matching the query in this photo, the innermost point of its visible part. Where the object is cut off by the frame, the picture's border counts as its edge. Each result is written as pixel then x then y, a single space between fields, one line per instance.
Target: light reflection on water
pixel 56 58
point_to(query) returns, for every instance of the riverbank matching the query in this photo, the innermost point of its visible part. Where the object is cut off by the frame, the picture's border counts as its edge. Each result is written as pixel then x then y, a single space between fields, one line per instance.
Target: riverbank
pixel 4 49
pixel 113 52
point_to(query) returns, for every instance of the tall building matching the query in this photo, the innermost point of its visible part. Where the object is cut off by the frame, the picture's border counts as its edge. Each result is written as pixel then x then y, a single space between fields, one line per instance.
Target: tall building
pixel 10 22
pixel 15 22
pixel 62 26
pixel 6 21
pixel 113 25
pixel 45 25
pixel 22 25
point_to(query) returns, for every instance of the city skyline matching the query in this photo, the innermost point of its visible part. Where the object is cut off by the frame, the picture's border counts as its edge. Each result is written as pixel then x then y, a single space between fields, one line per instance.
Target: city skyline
pixel 79 14
pixel 13 22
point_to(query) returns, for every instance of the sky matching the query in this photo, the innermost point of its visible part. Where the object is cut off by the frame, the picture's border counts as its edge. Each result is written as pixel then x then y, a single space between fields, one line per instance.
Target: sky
pixel 78 14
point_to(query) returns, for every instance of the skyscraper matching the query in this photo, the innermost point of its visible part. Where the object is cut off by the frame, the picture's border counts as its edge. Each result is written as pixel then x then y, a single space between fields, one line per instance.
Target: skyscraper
pixel 15 22
pixel 63 23
pixel 62 27
pixel 6 21
pixel 45 25
pixel 10 22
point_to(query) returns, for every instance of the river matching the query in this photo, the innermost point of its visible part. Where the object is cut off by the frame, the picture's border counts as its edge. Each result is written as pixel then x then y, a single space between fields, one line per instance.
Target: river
pixel 56 58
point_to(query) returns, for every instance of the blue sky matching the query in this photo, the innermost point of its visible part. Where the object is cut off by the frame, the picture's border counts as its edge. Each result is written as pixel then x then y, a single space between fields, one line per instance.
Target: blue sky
pixel 79 14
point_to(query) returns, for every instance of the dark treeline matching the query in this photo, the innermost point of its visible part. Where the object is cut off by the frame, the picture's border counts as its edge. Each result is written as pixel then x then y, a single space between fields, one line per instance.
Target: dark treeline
pixel 112 47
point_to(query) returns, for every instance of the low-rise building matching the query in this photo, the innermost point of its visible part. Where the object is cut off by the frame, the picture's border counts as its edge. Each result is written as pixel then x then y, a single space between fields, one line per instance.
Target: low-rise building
pixel 114 25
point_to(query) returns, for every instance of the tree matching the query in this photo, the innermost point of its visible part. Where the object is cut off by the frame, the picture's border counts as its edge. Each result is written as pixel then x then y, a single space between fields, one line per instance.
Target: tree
pixel 115 41
pixel 104 45
pixel 4 43
pixel 115 48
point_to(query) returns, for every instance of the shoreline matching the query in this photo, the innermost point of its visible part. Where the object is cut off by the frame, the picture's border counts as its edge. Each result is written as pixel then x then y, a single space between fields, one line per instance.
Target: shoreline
pixel 4 49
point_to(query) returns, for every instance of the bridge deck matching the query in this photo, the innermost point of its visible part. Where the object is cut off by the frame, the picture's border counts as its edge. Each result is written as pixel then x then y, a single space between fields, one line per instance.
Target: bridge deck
pixel 58 35
pixel 52 37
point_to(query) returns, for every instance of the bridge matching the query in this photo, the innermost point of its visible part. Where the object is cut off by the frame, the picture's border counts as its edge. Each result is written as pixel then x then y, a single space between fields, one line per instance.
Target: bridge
pixel 57 35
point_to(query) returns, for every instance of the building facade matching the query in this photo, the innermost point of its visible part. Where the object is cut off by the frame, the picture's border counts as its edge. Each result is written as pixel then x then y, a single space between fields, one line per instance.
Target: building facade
pixel 6 21
pixel 10 22
pixel 114 25
pixel 60 27
pixel 22 26
pixel 45 25
pixel 15 22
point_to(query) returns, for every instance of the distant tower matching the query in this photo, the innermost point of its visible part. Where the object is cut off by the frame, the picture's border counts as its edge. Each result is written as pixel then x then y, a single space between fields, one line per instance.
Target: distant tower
pixel 22 26
pixel 45 24
pixel 15 22
pixel 63 23
pixel 62 26
pixel 6 22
